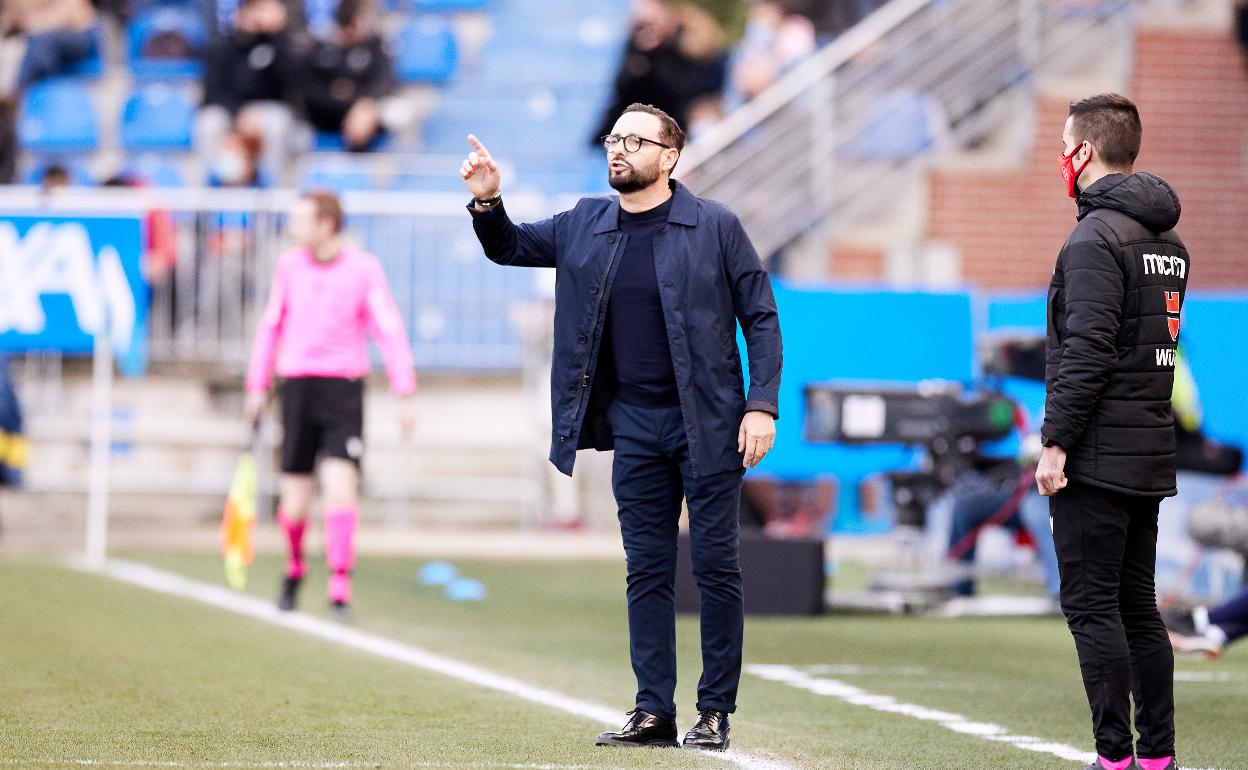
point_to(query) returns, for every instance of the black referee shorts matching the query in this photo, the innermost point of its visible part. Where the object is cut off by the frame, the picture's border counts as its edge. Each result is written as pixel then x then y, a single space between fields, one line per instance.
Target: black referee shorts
pixel 321 417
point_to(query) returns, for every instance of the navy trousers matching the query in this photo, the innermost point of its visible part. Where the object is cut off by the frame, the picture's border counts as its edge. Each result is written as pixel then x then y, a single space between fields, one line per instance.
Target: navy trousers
pixel 650 477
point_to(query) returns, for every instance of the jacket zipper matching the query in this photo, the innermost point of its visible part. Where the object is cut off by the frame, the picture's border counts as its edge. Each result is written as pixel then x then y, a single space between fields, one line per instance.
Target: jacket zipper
pixel 594 340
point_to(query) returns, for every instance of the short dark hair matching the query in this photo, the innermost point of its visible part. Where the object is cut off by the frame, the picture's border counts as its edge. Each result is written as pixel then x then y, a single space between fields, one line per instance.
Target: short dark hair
pixel 1111 123
pixel 327 206
pixel 670 132
pixel 349 11
pixel 55 174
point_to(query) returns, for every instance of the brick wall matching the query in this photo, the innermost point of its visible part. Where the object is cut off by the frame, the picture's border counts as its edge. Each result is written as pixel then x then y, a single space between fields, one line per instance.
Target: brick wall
pixel 1193 96
pixel 855 262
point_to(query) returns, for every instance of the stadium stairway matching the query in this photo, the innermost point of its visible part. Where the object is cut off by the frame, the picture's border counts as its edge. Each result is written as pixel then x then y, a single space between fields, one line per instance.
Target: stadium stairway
pixel 974 208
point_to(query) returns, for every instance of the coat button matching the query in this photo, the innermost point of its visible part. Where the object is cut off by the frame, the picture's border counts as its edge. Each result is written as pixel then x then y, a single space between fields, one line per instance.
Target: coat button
pixel 563 438
pixel 582 339
pixel 593 289
pixel 611 238
pixel 572 388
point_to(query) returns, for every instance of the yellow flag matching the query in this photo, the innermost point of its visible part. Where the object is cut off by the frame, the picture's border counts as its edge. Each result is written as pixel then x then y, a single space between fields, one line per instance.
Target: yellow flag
pixel 238 523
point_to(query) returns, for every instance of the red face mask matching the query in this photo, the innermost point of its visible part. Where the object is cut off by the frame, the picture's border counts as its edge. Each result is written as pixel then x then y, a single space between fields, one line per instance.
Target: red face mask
pixel 1069 173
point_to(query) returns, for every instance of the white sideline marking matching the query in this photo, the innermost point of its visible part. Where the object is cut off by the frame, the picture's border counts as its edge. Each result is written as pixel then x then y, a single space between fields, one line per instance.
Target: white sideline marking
pixel 291 764
pixel 856 696
pixel 1202 676
pixel 171 584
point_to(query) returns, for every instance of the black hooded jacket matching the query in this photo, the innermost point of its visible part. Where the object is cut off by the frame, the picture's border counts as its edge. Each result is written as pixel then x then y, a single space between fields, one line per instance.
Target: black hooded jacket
pixel 1113 326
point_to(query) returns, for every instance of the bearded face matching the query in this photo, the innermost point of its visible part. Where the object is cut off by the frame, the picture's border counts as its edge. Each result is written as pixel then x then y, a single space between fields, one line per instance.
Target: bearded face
pixel 633 172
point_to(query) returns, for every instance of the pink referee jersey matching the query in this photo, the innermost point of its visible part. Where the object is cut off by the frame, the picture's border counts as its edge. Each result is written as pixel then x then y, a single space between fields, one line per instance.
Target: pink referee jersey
pixel 318 319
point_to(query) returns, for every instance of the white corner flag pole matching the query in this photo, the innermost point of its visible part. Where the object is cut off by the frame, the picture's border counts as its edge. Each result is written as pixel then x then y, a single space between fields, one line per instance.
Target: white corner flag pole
pixel 101 441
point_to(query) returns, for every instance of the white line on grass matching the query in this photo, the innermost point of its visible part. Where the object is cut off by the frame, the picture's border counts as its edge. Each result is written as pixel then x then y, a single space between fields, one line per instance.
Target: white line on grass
pixel 169 583
pixel 294 764
pixel 856 696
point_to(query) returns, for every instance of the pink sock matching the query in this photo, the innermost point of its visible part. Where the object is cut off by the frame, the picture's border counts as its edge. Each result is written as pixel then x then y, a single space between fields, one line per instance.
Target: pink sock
pixel 340 527
pixel 1155 764
pixel 294 529
pixel 1110 764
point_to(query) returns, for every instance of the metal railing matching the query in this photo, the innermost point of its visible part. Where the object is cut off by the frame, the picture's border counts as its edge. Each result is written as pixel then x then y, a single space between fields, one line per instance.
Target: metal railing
pixel 456 304
pixel 835 138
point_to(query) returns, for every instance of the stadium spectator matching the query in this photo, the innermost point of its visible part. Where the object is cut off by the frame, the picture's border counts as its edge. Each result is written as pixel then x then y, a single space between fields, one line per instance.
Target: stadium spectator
pixel 775 39
pixel 343 80
pixel 1108 433
pixel 58 33
pixel 1209 630
pixel 237 162
pixel 8 141
pixel 631 373
pixel 979 499
pixel 327 298
pixel 54 177
pixel 249 84
pixel 674 60
pixel 160 252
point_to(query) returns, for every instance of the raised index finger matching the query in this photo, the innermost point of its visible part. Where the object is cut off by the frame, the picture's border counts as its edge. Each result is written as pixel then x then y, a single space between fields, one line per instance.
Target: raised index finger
pixel 476 145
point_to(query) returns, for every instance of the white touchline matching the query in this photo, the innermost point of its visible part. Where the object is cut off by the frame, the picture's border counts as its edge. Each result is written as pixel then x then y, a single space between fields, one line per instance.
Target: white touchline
pixel 294 764
pixel 169 583
pixel 804 680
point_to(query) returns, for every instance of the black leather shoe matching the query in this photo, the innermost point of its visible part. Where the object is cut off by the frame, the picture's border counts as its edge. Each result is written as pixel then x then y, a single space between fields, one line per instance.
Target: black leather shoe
pixel 642 729
pixel 710 733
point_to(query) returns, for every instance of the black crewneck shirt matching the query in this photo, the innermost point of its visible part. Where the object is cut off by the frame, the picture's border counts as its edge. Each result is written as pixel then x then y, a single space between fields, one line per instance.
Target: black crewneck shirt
pixel 637 333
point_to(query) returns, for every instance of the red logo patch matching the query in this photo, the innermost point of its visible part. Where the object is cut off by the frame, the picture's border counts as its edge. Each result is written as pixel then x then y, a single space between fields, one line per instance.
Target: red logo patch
pixel 1174 303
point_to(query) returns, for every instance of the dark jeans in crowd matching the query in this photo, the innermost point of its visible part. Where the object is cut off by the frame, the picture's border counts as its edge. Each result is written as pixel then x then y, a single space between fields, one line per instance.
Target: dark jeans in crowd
pixel 52 53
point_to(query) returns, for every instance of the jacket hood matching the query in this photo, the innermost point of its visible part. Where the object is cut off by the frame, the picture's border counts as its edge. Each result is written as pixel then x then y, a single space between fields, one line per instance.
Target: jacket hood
pixel 1146 198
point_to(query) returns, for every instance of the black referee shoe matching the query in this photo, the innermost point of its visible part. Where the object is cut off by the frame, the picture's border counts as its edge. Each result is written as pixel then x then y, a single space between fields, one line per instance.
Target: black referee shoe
pixel 290 591
pixel 642 729
pixel 710 733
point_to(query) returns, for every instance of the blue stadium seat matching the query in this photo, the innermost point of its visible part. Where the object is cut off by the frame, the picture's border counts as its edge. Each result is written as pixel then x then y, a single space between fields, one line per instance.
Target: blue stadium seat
pixel 157 117
pixel 225 13
pixel 79 175
pixel 425 50
pixel 319 16
pixel 428 183
pixel 897 127
pixel 536 123
pixel 517 62
pixel 149 30
pixel 449 6
pixel 93 65
pixel 337 179
pixel 155 169
pixel 57 115
pixel 328 141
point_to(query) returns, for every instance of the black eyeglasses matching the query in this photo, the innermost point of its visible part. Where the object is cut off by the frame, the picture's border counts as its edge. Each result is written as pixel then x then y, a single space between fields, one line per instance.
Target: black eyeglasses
pixel 632 142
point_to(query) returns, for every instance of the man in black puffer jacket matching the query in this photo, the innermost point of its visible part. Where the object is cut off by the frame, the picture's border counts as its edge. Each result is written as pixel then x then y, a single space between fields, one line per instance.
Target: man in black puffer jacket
pixel 1113 327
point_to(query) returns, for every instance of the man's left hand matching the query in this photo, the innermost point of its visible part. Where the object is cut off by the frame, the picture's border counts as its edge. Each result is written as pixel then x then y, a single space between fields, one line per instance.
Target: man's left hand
pixel 754 440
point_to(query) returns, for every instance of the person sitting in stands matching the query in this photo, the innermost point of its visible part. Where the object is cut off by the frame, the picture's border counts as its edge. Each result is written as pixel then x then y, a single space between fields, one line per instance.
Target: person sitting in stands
pixel 344 80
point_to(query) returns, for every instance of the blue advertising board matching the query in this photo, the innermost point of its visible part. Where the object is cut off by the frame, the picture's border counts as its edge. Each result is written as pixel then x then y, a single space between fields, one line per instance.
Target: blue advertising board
pixel 62 278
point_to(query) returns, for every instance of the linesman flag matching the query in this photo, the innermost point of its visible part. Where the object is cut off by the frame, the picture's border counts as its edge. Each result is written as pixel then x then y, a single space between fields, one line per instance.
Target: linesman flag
pixel 238 522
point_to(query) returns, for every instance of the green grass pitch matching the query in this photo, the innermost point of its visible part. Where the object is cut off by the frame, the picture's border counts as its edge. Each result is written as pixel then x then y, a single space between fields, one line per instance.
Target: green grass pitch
pixel 94 671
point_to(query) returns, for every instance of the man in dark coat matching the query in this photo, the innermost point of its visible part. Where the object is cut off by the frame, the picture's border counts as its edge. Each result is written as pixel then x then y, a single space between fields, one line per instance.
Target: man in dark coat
pixel 1108 435
pixel 650 288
